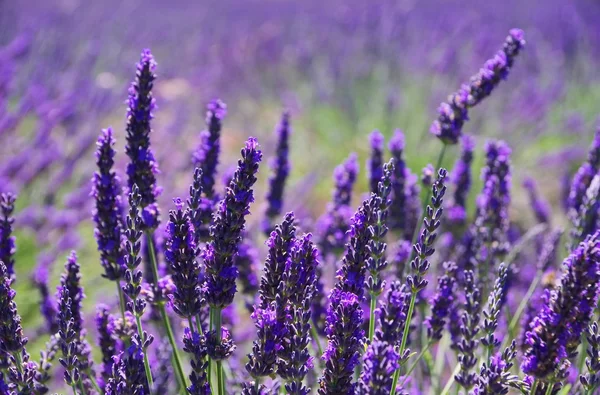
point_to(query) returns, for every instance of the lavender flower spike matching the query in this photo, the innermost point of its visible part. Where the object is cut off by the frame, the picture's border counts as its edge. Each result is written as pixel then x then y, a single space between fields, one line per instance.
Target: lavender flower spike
pixel 540 207
pixel 461 178
pixel 207 154
pixel 469 328
pixel 583 178
pixel 375 163
pixel 7 240
pixel 108 213
pixel 180 253
pixel 195 345
pixel 344 342
pixel 227 228
pixel 107 341
pixel 495 377
pixel 555 332
pixel 280 167
pixel 142 168
pixel 68 339
pixel 442 302
pixel 129 376
pixel 591 380
pixel 453 113
pixel 380 362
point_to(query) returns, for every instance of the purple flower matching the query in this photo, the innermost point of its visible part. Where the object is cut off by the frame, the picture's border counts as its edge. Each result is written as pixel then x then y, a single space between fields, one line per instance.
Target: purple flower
pixel 142 168
pixel 391 313
pixel 263 358
pixel 469 329
pixel 197 206
pixel 375 163
pixel 453 113
pixel 345 339
pixel 403 188
pixel 461 178
pixel 427 175
pixel 280 244
pixel 591 380
pixel 47 303
pixel 540 206
pixel 68 338
pixel 491 313
pixel 7 240
pixel 12 339
pixel 582 179
pixel 129 376
pixel 496 378
pixel 442 302
pixel 180 253
pixel 280 168
pixel 108 213
pixel 345 176
pixel 107 341
pixel 247 262
pixel 555 332
pixel 380 361
pixel 400 256
pixel 586 222
pixel 226 230
pixel 195 345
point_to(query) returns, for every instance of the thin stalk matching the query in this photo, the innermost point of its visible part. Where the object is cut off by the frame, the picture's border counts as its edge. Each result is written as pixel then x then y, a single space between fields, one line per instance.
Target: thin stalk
pixel 121 300
pixel 450 382
pixel 534 387
pixel 178 367
pixel 411 309
pixel 220 378
pixel 257 384
pixel 549 389
pixel 191 324
pixel 90 375
pixel 416 362
pixel 216 326
pixel 210 361
pixel 516 317
pixel 198 324
pixel 163 314
pixel 138 321
pixel 315 335
pixel 81 388
pixel 372 316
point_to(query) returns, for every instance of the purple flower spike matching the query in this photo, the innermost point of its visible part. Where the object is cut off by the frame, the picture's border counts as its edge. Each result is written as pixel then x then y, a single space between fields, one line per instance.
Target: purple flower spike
pixel 454 113
pixel 107 341
pixel 469 329
pixel 142 168
pixel 379 364
pixel 583 178
pixel 108 212
pixel 375 163
pixel 263 358
pixel 345 176
pixel 180 253
pixel 461 178
pixel 280 167
pixel 391 313
pixel 442 302
pixel 555 333
pixel 129 376
pixel 496 378
pixel 540 207
pixel 195 345
pixel 226 230
pixel 247 262
pixel 7 240
pixel 11 332
pixel 345 340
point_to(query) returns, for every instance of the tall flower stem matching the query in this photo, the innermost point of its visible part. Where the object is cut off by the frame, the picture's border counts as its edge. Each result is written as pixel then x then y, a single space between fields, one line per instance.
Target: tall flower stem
pixel 121 300
pixel 163 313
pixel 416 362
pixel 372 316
pixel 140 331
pixel 216 326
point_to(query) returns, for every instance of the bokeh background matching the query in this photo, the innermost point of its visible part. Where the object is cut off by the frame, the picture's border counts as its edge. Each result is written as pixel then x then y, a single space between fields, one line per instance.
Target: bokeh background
pixel 343 68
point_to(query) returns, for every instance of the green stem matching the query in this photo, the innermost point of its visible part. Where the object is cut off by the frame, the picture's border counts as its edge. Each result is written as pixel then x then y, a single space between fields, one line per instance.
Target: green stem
pixel 81 388
pixel 146 363
pixel 178 367
pixel 163 314
pixel 549 389
pixel 216 326
pixel 220 378
pixel 416 362
pixel 516 317
pixel 198 324
pixel 121 300
pixel 533 387
pixel 411 309
pixel 315 335
pixel 90 375
pixel 191 324
pixel 210 361
pixel 257 384
pixel 372 316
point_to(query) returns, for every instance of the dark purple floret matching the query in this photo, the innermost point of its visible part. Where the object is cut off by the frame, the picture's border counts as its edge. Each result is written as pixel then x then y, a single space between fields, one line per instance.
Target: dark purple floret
pixel 47 357
pixel 380 361
pixel 280 245
pixel 492 312
pixel 591 379
pixel 280 168
pixel 47 303
pixel 133 275
pixel 442 302
pixel 377 262
pixel 391 313
pixel 375 163
pixel 207 154
pixel 555 332
pixel 219 350
pixel 163 371
pixel 403 188
pixel 495 378
pixel 197 206
pixel 195 345
pixel 299 280
pixel 586 222
pixel 582 179
pixel 427 176
pixel 453 113
pixel 7 240
pixel 461 179
pixel 129 376
pixel 226 230
pixel 345 339
pixel 70 280
pixel 539 205
pixel 68 338
pixel 142 168
pixel 107 341
pixel 180 253
pixel 12 339
pixel 469 328
pixel 263 358
pixel 344 177
pixel 108 213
